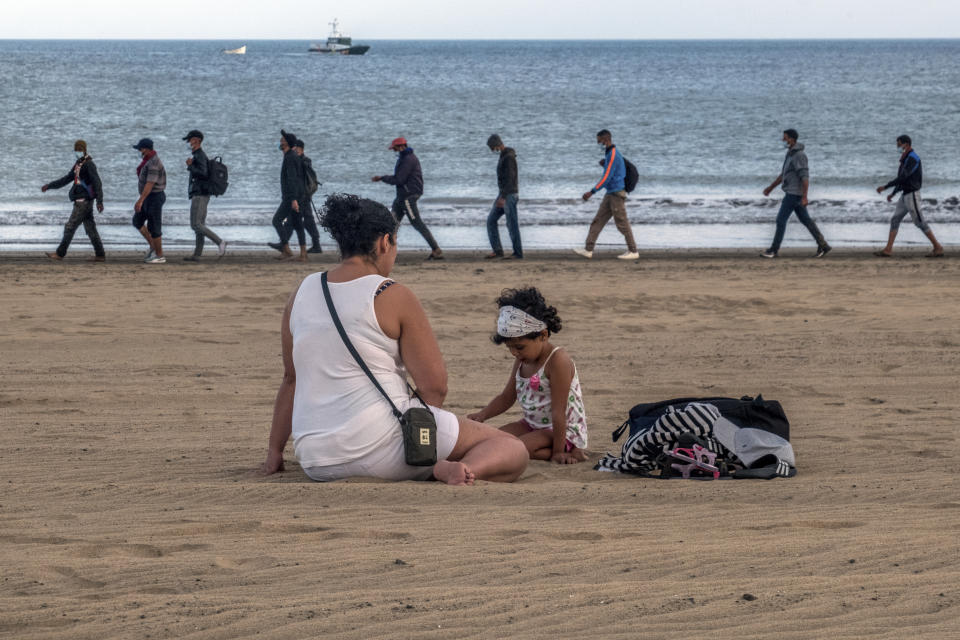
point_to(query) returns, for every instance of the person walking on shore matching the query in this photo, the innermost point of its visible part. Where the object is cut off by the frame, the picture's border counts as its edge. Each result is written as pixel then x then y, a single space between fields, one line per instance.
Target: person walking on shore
pixel 199 194
pixel 292 192
pixel 408 179
pixel 795 180
pixel 908 182
pixel 86 188
pixel 614 200
pixel 148 210
pixel 308 212
pixel 506 202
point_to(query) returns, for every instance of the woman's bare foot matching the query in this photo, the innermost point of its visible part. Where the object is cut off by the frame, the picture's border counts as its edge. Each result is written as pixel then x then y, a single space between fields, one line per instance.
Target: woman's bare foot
pixel 455 473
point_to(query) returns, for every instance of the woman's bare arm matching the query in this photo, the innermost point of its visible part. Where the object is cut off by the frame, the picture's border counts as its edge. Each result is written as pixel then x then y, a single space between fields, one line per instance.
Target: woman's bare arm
pixel 283 405
pixel 401 316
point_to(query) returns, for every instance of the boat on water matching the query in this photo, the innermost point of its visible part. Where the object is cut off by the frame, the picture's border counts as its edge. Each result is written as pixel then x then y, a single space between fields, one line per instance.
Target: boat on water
pixel 239 51
pixel 339 43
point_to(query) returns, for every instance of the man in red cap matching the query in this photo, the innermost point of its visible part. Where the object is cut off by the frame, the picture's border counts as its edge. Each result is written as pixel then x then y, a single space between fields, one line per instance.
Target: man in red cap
pixel 408 178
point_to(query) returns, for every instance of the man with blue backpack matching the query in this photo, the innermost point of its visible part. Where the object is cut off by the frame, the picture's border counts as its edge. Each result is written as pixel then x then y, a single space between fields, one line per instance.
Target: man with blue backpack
pixel 86 188
pixel 614 200
pixel 908 182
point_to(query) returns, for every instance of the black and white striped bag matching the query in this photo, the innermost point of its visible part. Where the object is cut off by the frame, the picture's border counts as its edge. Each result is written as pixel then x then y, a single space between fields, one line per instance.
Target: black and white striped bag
pixel 749 451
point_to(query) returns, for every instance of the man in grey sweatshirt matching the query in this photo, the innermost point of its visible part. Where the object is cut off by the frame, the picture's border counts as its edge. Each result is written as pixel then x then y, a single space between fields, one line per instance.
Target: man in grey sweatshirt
pixel 795 180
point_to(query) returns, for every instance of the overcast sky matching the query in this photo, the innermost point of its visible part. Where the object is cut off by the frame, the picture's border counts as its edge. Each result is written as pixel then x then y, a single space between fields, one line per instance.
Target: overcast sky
pixel 486 19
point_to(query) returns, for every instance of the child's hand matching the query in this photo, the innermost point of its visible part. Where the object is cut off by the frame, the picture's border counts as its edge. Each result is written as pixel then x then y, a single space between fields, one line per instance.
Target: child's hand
pixel 476 417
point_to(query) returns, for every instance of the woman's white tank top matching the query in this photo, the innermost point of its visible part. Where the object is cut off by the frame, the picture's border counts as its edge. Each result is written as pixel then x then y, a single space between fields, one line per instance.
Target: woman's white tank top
pixel 336 407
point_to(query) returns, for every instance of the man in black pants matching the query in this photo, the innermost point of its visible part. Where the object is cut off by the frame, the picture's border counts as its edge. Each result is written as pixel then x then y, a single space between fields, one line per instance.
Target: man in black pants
pixel 291 189
pixel 86 188
pixel 308 212
pixel 408 178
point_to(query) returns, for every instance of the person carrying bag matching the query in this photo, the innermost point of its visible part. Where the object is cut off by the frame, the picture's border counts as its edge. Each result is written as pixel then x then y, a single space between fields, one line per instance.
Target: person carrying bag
pixel 417 423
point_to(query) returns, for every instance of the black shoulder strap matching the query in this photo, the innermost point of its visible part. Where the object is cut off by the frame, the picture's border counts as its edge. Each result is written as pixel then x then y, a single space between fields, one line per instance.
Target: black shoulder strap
pixel 355 354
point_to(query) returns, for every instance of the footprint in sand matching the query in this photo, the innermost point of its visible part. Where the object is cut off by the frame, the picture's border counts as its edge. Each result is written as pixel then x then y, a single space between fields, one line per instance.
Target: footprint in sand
pixel 829 524
pixel 809 524
pixel 590 536
pixel 74 580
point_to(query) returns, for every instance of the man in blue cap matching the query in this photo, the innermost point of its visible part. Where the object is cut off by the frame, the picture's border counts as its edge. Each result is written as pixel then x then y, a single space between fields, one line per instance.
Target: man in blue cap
pixel 151 183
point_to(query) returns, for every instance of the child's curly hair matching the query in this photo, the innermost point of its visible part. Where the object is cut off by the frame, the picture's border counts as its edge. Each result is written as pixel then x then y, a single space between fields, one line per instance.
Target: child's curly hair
pixel 530 300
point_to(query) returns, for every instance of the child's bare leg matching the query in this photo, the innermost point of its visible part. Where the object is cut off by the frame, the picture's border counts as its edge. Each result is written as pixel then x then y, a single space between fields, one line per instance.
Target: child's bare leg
pixel 543 453
pixel 517 428
pixel 484 453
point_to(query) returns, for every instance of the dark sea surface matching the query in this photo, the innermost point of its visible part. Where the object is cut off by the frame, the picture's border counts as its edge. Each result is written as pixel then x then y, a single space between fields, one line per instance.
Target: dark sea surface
pixel 701 120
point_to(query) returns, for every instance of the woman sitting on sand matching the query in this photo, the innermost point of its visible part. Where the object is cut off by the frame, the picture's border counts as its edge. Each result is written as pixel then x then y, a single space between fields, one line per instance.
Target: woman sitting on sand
pixel 341 424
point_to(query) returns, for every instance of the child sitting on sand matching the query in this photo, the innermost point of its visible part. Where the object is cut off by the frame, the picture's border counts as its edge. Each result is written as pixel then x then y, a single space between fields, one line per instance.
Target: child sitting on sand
pixel 543 378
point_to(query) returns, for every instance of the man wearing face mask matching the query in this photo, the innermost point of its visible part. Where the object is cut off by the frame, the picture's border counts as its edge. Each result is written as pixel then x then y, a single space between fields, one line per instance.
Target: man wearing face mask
pixel 292 194
pixel 908 182
pixel 86 188
pixel 198 168
pixel 795 177
pixel 148 210
pixel 408 179
pixel 506 202
pixel 614 201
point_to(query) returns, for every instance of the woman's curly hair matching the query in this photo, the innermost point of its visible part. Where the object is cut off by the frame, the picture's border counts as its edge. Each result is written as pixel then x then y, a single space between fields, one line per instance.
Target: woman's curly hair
pixel 356 223
pixel 530 300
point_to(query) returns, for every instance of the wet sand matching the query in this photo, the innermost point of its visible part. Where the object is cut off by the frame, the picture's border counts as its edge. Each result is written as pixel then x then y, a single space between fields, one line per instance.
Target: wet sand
pixel 135 400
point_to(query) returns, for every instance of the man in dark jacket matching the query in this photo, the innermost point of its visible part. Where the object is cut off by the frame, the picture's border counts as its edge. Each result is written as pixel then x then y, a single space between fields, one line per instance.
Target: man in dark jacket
pixel 198 168
pixel 309 219
pixel 506 202
pixel 292 192
pixel 85 189
pixel 408 178
pixel 908 182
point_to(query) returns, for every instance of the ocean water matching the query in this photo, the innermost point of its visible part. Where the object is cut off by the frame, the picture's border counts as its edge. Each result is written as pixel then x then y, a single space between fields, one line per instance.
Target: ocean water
pixel 701 120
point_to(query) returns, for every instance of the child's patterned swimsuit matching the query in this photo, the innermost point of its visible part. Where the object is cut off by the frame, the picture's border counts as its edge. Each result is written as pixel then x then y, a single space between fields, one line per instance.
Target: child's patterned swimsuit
pixel 533 393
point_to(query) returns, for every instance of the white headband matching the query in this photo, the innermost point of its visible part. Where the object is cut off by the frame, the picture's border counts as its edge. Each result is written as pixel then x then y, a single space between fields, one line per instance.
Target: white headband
pixel 516 323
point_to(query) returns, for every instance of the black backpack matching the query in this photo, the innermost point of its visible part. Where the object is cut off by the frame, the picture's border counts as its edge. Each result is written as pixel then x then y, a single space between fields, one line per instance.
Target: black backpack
pixel 632 176
pixel 217 181
pixel 310 182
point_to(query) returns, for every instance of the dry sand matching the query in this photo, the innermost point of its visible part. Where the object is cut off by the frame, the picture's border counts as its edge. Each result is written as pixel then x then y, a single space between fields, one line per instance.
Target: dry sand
pixel 135 400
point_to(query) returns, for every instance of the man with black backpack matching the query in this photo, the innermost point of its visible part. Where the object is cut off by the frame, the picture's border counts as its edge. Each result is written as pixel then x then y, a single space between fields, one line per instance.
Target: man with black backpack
pixel 198 166
pixel 614 201
pixel 311 184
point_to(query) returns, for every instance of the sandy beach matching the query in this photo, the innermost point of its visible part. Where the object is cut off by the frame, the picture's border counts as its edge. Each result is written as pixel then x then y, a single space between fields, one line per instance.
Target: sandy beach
pixel 135 401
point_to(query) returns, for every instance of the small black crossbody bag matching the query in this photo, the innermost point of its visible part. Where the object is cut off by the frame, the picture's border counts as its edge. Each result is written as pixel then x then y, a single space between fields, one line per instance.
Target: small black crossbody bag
pixel 418 425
